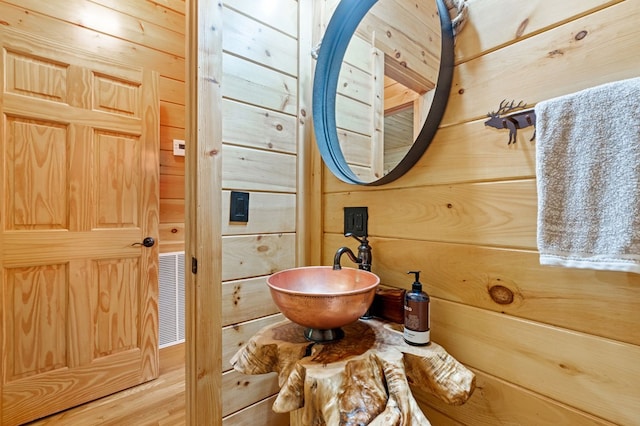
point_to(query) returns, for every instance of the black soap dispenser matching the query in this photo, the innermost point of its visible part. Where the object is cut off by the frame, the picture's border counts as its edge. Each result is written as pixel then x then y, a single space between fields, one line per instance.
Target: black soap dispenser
pixel 416 314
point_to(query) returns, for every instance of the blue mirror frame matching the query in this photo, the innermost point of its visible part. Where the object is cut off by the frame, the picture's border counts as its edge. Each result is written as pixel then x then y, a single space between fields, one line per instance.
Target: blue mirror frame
pixel 339 31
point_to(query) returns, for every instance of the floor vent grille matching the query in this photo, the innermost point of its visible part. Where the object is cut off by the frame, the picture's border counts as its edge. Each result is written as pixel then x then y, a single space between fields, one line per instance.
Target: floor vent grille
pixel 171 299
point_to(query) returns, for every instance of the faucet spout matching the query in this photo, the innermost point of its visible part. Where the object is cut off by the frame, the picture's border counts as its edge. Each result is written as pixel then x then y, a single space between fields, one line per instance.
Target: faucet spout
pixel 339 253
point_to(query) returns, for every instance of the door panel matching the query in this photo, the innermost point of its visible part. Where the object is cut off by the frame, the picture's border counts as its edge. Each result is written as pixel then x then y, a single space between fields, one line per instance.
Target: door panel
pixel 79 157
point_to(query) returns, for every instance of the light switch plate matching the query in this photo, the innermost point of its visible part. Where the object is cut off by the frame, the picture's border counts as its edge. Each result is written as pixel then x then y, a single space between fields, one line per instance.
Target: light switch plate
pixel 356 221
pixel 239 207
pixel 178 147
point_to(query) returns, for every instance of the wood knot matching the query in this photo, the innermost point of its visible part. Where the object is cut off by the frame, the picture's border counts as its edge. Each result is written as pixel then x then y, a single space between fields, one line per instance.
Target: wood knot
pixel 501 295
pixel 582 34
pixel 570 369
pixel 522 27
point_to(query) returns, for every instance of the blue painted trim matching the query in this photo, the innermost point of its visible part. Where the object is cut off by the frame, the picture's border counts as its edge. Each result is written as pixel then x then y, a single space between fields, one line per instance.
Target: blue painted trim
pixel 341 28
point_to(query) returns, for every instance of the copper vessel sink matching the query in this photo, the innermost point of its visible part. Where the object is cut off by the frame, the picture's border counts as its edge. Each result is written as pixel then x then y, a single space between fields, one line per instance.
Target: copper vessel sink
pixel 323 299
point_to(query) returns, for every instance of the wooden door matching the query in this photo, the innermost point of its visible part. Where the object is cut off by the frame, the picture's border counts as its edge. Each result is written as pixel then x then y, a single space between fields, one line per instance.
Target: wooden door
pixel 79 188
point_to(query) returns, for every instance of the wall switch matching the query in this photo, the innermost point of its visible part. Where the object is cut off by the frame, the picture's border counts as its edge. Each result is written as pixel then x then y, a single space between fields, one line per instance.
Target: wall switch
pixel 239 207
pixel 355 221
pixel 178 147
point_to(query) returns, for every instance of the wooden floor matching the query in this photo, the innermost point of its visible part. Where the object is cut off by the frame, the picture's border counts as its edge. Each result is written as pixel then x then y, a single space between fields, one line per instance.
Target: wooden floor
pixel 159 402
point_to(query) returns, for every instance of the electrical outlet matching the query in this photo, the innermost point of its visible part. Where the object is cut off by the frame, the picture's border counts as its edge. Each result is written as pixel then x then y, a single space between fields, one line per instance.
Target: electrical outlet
pixel 355 221
pixel 178 147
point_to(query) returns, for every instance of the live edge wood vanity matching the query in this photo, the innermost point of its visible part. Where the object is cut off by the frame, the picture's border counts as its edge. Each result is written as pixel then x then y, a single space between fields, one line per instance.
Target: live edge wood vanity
pixel 362 379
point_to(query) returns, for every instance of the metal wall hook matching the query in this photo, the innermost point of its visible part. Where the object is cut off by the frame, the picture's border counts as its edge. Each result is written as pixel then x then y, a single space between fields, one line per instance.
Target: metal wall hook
pixel 512 120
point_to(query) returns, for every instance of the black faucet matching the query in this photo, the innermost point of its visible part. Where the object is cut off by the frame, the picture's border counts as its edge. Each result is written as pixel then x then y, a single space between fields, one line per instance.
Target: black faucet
pixel 363 260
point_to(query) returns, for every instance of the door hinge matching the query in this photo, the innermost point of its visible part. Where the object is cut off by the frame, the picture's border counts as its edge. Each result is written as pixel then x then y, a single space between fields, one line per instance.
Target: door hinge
pixel 194 265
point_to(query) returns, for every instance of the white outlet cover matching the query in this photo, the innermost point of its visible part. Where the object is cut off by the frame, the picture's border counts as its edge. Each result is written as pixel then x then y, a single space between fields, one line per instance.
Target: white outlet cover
pixel 178 147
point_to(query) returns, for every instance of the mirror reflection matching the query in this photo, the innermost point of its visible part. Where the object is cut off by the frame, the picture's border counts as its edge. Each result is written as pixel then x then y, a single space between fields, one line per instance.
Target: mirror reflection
pixel 386 84
pixel 374 124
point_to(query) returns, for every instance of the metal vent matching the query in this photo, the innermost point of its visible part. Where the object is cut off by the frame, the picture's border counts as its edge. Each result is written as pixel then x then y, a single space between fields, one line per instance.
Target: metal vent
pixel 171 299
pixel 181 296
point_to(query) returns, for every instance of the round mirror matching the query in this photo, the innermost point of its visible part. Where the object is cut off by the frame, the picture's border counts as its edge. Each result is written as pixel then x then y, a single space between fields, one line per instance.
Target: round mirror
pixel 381 86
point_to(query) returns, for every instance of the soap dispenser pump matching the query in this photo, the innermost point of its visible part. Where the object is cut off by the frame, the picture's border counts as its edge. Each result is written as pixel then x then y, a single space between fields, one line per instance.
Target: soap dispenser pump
pixel 417 328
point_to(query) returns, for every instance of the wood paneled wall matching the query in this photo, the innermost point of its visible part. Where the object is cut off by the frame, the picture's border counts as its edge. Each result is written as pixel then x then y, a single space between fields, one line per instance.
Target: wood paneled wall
pixel 263 127
pixel 549 345
pixel 264 138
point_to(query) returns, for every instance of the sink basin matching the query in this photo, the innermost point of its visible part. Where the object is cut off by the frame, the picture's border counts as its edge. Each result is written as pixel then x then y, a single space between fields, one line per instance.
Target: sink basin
pixel 323 299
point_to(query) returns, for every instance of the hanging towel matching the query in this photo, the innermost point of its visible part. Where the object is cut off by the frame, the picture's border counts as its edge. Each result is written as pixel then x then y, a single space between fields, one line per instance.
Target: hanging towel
pixel 588 178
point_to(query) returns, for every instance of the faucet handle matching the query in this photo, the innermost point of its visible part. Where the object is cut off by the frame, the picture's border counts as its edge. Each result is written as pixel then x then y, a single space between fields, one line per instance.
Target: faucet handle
pixel 364 252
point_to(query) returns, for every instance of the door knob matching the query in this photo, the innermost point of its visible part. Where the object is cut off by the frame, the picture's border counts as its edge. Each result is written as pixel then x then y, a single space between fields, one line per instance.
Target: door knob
pixel 147 242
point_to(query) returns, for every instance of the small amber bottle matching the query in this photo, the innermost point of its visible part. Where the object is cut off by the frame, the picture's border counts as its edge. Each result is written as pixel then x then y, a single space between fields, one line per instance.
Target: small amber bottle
pixel 417 328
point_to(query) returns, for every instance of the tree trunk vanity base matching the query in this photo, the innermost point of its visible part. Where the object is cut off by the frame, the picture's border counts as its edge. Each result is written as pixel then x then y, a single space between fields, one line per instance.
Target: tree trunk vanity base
pixel 361 379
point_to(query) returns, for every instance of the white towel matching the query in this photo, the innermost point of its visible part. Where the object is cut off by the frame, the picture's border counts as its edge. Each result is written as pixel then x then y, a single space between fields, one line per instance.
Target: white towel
pixel 588 178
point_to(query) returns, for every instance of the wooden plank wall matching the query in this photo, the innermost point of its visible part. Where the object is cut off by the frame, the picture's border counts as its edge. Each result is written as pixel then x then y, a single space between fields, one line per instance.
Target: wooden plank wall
pixel 548 345
pixel 356 109
pixel 262 123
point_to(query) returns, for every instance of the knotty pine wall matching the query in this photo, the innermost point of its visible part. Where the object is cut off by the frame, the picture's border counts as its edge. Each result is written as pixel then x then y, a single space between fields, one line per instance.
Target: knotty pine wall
pixel 548 345
pixel 264 120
